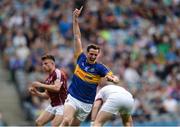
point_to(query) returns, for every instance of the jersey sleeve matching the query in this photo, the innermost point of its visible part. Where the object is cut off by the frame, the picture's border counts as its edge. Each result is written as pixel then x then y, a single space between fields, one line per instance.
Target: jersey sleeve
pixel 81 56
pixel 103 70
pixel 99 96
pixel 58 75
pixel 63 77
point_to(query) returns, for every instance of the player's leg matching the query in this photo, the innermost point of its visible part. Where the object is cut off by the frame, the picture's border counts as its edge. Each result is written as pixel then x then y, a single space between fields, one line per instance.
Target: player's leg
pixel 69 112
pixel 70 108
pixel 108 109
pixel 81 114
pixel 127 120
pixel 102 117
pixel 83 110
pixel 44 118
pixel 126 107
pixel 58 115
pixel 75 122
pixel 57 120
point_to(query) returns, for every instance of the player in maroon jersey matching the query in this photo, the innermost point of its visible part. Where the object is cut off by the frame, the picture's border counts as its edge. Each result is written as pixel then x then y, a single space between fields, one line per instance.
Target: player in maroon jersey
pixel 55 89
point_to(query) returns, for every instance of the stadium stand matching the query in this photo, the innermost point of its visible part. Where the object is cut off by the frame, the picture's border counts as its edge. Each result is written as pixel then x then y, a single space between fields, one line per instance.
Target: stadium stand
pixel 9 102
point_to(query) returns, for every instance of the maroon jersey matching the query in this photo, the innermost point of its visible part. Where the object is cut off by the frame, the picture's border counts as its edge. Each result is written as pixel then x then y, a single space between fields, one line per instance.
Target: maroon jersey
pixel 57 98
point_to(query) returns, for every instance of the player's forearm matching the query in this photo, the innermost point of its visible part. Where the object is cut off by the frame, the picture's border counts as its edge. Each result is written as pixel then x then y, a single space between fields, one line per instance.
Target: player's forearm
pixel 113 78
pixel 42 95
pixel 94 113
pixel 97 105
pixel 77 38
pixel 76 29
pixel 77 33
pixel 51 88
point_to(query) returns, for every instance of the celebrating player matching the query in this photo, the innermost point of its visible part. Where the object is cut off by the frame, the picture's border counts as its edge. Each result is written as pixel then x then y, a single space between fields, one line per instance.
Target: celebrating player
pixel 55 88
pixel 87 74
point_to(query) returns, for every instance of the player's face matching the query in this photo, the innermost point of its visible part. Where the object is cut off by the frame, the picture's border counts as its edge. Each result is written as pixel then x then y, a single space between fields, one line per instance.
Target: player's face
pixel 92 55
pixel 47 65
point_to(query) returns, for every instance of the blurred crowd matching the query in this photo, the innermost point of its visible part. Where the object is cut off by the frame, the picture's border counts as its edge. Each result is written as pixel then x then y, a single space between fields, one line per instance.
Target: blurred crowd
pixel 140 42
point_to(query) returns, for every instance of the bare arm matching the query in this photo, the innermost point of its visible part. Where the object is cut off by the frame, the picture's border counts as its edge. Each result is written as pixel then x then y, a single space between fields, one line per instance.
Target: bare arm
pixel 112 78
pixel 53 88
pixel 77 33
pixel 97 105
pixel 35 92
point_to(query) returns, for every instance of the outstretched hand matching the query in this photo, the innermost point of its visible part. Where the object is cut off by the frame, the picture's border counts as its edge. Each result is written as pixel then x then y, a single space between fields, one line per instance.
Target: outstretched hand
pixel 77 12
pixel 113 78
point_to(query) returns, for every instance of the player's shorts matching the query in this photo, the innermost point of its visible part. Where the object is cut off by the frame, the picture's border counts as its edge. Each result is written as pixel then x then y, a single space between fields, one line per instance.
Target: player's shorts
pixel 122 103
pixel 82 109
pixel 57 110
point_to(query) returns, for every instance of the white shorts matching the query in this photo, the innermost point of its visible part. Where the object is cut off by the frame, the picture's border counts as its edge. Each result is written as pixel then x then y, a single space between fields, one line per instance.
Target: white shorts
pixel 57 110
pixel 118 103
pixel 82 109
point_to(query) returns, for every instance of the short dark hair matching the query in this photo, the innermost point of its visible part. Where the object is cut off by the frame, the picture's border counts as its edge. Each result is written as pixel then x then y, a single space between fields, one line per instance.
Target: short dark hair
pixel 48 56
pixel 93 46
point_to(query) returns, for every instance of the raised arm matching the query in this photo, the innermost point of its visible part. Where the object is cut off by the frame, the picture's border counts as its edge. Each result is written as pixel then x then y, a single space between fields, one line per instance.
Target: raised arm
pixel 77 33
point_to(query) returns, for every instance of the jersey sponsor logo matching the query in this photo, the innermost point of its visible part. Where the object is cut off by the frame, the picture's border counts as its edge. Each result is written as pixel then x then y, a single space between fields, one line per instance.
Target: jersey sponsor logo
pixel 91 70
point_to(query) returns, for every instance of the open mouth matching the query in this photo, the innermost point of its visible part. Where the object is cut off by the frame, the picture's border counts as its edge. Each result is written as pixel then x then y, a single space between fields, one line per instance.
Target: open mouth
pixel 92 59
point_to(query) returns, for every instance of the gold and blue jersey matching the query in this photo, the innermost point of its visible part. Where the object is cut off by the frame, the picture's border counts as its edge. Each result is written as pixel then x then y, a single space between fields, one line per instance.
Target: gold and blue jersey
pixel 85 79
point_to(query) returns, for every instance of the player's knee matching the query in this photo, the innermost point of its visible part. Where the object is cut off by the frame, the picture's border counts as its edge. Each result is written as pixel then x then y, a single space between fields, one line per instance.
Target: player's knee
pixel 127 120
pixel 66 121
pixel 56 123
pixel 97 123
pixel 38 122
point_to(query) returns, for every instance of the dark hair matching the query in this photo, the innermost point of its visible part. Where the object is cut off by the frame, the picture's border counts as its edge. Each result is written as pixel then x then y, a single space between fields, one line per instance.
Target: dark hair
pixel 93 46
pixel 48 56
